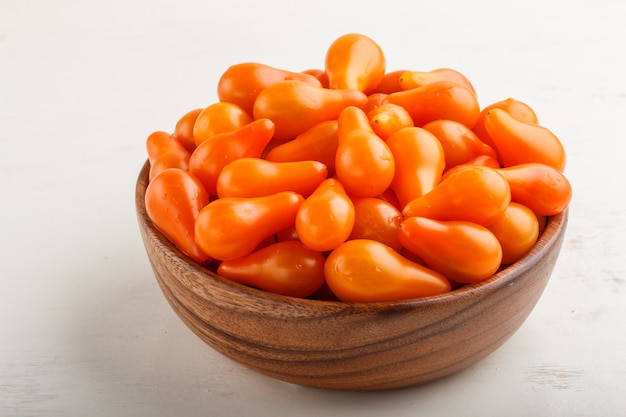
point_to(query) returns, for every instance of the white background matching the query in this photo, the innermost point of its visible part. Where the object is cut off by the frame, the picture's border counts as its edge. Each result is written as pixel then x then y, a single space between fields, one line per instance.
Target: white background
pixel 84 329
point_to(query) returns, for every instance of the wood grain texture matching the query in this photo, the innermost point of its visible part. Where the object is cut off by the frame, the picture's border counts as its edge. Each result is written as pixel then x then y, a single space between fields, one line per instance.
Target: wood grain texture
pixel 343 346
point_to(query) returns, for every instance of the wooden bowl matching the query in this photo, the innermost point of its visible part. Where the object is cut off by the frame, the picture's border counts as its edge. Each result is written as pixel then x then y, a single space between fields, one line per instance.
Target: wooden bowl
pixel 350 346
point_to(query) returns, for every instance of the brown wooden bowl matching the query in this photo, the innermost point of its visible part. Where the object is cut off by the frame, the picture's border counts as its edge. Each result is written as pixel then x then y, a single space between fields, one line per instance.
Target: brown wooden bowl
pixel 350 346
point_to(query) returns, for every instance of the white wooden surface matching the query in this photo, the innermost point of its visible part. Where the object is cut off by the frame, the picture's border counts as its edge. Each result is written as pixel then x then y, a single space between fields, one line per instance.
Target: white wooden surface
pixel 84 330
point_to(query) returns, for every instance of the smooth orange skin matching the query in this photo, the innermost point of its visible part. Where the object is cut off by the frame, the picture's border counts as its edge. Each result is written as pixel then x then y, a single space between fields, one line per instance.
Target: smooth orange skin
pixel 480 160
pixel 484 160
pixel 542 188
pixel 319 143
pixel 318 73
pixel 287 268
pixel 462 251
pixel 295 106
pixel 376 219
pixel 473 193
pixel 232 227
pixel 520 142
pixel 216 118
pixel 326 218
pixel 240 84
pixel 416 79
pixel 354 62
pixel 388 118
pixel 517 231
pixel 255 177
pixel 212 155
pixel 363 163
pixel 420 161
pixel 460 144
pixel 165 151
pixel 173 199
pixel 519 110
pixel 364 270
pixel 390 83
pixel 438 100
pixel 183 131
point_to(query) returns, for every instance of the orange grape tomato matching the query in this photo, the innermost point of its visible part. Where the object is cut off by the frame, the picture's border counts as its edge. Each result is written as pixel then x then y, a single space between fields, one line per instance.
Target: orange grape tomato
pixel 326 218
pixel 218 118
pixel 438 100
pixel 519 110
pixel 355 62
pixel 542 188
pixel 388 118
pixel 364 163
pixel 484 160
pixel 364 270
pixel 183 131
pixel 296 106
pixel 390 83
pixel 241 83
pixel 286 268
pixel 415 79
pixel 460 144
pixel 462 251
pixel 520 142
pixel 318 73
pixel 517 231
pixel 173 199
pixel 373 101
pixel 232 227
pixel 319 143
pixel 473 193
pixel 165 151
pixel 212 155
pixel 255 177
pixel 376 219
pixel 419 159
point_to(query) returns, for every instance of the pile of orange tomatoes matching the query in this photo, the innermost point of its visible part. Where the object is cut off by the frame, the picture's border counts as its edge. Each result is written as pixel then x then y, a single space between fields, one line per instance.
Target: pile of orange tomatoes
pixel 353 182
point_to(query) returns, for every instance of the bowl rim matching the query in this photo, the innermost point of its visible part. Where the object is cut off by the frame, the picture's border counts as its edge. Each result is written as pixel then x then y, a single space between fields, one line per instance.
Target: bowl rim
pixel 554 227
